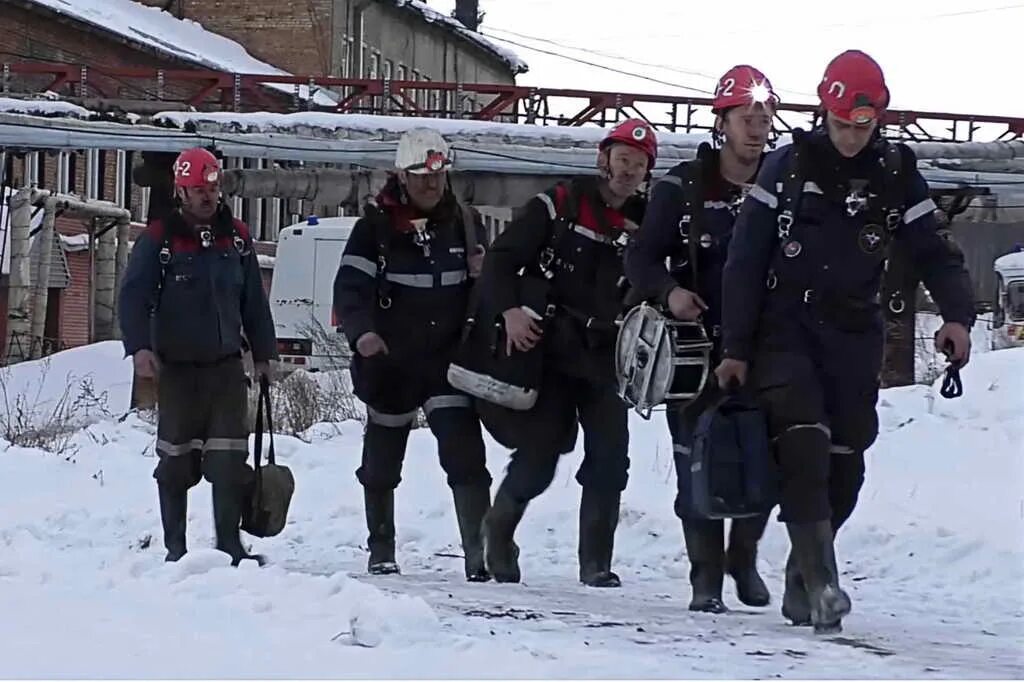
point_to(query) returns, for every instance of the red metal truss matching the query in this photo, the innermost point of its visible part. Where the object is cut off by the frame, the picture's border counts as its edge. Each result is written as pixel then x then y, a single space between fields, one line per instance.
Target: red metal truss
pixel 144 89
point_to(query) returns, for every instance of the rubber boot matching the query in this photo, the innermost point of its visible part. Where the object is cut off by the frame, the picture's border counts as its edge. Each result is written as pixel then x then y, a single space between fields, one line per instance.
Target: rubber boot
pixel 173 515
pixel 705 548
pixel 816 557
pixel 501 553
pixel 599 516
pixel 471 505
pixel 227 519
pixel 796 607
pixel 380 522
pixel 741 560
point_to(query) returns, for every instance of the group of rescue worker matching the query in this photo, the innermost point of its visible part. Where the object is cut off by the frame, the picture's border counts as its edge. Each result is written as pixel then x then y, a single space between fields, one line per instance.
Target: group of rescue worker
pixel 785 275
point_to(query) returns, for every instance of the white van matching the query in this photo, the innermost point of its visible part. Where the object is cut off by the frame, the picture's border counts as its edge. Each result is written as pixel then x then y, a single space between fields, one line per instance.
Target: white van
pixel 301 293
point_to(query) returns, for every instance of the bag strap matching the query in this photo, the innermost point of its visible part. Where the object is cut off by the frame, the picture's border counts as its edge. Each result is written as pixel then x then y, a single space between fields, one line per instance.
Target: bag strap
pixel 263 420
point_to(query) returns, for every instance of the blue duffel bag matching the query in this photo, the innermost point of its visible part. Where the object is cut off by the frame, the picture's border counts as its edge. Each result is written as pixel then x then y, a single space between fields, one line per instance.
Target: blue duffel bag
pixel 733 472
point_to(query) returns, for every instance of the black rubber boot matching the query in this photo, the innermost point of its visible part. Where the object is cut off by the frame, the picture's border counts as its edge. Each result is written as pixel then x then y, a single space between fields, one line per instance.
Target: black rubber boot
pixel 500 550
pixel 796 607
pixel 815 554
pixel 227 519
pixel 599 516
pixel 380 522
pixel 741 560
pixel 705 548
pixel 471 505
pixel 173 515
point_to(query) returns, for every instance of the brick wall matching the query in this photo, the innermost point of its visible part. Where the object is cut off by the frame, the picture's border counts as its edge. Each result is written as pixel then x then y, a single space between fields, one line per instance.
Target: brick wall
pixel 39 35
pixel 293 35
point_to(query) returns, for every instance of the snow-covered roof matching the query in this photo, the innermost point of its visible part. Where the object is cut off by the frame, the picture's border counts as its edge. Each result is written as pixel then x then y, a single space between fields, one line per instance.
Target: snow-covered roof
pixel 179 38
pixel 433 16
pixel 44 107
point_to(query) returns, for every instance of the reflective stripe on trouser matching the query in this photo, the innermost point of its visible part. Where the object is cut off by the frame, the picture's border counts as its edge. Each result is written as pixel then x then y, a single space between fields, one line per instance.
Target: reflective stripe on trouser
pixel 209 445
pixel 440 402
pixel 390 419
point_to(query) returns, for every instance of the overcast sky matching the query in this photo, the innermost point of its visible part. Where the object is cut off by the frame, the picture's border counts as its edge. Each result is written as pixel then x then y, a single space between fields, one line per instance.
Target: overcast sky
pixel 938 55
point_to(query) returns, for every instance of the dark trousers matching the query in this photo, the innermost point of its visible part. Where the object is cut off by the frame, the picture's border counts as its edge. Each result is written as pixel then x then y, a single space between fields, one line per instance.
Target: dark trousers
pixel 203 424
pixel 822 417
pixel 394 394
pixel 548 430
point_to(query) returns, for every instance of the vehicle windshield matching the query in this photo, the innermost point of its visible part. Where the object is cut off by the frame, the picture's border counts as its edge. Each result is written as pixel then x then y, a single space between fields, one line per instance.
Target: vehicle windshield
pixel 1015 301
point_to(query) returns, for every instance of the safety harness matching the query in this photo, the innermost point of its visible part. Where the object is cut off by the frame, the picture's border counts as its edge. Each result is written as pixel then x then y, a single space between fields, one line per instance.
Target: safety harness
pixel 884 210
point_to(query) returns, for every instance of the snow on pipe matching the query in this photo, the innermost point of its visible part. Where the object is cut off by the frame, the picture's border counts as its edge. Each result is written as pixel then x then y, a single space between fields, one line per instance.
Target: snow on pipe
pixel 329 186
pixel 89 208
pixel 1010 149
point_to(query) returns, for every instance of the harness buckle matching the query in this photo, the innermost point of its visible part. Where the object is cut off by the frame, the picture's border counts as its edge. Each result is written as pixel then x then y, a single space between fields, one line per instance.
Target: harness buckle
pixel 897 304
pixel 773 281
pixel 892 219
pixel 808 295
pixel 165 256
pixel 385 302
pixel 785 221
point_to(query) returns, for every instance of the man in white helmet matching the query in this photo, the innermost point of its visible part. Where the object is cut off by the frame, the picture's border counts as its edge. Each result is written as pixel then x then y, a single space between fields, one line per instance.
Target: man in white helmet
pixel 401 295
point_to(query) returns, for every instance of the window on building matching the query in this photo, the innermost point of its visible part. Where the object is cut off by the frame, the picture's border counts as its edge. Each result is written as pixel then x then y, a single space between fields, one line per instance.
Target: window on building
pixel 402 73
pixel 373 68
pixel 389 69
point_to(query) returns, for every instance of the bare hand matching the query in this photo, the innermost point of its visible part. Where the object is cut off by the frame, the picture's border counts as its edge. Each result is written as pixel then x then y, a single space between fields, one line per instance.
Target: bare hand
pixel 263 369
pixel 370 344
pixel 731 373
pixel 521 330
pixel 956 335
pixel 476 261
pixel 147 366
pixel 685 304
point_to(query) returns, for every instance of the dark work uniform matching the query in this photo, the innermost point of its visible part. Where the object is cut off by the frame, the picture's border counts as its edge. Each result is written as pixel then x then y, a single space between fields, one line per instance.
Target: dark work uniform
pixel 801 304
pixel 695 194
pixel 412 290
pixel 578 387
pixel 190 304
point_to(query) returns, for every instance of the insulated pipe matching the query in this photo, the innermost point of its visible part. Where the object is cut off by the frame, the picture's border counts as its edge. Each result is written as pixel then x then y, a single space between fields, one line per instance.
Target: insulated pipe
pixel 41 285
pixel 19 294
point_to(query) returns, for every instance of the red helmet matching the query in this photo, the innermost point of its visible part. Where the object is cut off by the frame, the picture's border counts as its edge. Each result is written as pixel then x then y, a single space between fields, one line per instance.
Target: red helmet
pixel 853 88
pixel 743 85
pixel 196 167
pixel 635 132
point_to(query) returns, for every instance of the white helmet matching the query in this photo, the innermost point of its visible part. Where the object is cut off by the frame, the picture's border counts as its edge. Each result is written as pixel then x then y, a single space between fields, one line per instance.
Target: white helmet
pixel 422 151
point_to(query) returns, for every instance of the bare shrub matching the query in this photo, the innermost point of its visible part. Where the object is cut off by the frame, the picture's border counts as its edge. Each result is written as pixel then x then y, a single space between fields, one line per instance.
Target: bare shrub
pixel 31 420
pixel 300 400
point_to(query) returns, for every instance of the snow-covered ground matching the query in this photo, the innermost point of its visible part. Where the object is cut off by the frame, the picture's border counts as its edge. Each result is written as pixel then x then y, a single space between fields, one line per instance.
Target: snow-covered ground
pixel 933 558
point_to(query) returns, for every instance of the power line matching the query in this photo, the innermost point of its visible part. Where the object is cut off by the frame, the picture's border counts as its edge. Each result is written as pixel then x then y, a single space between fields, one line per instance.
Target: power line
pixel 610 55
pixel 601 66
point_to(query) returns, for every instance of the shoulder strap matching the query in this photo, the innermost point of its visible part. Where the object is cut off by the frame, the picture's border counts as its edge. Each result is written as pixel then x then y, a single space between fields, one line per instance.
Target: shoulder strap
pixel 692 219
pixel 896 276
pixel 468 227
pixel 382 236
pixel 792 187
pixel 566 213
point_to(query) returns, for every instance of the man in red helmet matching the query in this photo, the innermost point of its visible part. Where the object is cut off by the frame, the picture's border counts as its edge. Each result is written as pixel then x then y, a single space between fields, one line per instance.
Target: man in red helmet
pixel 192 286
pixel 690 217
pixel 572 237
pixel 802 313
